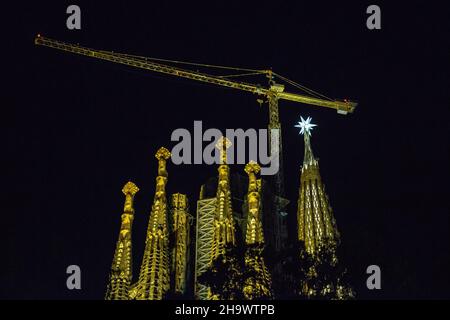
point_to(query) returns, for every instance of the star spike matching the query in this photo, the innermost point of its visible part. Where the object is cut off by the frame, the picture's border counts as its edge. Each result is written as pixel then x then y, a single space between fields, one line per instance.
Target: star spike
pixel 305 126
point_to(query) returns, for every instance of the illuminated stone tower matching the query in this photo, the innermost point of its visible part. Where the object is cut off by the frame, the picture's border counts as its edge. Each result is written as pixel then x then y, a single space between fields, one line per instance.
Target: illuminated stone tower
pixel 154 278
pixel 180 251
pixel 258 284
pixel 223 216
pixel 223 235
pixel 316 223
pixel 322 275
pixel 121 270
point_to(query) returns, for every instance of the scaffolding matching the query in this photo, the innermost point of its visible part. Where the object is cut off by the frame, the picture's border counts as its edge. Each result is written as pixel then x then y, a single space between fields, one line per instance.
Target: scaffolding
pixel 204 239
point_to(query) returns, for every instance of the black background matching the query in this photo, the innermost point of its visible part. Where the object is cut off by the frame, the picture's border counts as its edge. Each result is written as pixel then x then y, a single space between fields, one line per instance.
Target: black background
pixel 76 129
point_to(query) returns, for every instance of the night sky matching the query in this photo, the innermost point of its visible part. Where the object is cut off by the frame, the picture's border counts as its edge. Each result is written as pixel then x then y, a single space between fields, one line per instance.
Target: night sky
pixel 76 129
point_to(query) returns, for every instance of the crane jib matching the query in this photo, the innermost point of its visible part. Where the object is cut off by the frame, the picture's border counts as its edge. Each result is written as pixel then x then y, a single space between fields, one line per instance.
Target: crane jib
pixel 342 107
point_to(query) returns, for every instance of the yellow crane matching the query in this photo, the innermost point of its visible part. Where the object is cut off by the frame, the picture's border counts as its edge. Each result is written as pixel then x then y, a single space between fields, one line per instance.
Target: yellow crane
pixel 273 92
pixel 270 94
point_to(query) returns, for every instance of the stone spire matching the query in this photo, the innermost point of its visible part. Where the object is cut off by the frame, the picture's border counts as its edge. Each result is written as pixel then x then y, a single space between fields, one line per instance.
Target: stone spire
pixel 121 270
pixel 257 279
pixel 154 278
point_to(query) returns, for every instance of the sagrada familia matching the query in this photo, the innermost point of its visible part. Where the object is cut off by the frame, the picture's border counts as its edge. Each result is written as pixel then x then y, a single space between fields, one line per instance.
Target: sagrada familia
pixel 235 248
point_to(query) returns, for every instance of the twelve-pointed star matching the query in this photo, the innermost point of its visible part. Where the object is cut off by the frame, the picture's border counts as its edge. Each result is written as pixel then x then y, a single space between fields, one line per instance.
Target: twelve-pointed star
pixel 305 125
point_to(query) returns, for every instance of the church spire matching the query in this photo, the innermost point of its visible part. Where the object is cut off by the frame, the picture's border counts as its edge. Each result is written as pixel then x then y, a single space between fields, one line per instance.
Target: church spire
pixel 257 282
pixel 154 278
pixel 305 128
pixel 316 224
pixel 223 218
pixel 254 234
pixel 323 275
pixel 121 270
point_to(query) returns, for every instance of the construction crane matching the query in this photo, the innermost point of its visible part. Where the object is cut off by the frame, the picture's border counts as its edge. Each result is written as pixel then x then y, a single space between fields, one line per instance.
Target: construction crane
pixel 269 94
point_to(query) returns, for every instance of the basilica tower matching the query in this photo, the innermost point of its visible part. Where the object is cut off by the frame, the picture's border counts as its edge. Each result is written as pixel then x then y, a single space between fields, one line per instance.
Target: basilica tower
pixel 154 277
pixel 316 223
pixel 223 216
pixel 322 275
pixel 257 279
pixel 121 270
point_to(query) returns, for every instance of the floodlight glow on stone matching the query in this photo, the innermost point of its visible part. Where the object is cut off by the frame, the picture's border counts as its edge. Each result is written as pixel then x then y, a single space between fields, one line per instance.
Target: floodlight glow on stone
pixel 305 125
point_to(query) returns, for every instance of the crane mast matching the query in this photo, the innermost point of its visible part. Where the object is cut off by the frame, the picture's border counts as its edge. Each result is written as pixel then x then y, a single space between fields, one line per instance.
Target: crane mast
pixel 272 94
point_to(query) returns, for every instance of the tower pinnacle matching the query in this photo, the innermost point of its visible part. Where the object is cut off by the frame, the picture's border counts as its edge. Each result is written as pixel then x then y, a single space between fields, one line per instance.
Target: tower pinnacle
pixel 162 155
pixel 223 144
pixel 254 233
pixel 257 279
pixel 154 278
pixel 121 270
pixel 223 219
pixel 305 129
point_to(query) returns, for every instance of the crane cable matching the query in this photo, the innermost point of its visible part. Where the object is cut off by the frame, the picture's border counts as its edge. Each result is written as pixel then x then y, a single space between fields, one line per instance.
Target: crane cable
pixel 299 86
pixel 249 71
pixel 255 71
pixel 239 75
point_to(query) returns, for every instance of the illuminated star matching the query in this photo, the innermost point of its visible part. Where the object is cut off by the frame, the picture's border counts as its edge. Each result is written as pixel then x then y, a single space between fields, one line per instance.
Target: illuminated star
pixel 305 125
